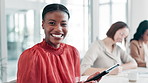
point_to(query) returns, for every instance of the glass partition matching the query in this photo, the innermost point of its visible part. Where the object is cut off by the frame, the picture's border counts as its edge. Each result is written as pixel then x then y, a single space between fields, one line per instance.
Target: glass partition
pixel 20 30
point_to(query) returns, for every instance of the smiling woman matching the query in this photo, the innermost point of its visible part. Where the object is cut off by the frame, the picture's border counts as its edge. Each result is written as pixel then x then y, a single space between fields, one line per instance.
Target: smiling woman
pixel 51 61
pixel 41 63
pixel 55 27
pixel 23 28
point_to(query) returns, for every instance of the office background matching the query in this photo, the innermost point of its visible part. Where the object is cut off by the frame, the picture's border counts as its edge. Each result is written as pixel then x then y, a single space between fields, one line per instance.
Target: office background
pixel 20 25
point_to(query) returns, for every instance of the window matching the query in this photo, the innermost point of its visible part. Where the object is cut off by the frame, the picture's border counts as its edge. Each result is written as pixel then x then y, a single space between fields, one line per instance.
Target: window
pixel 78 25
pixel 20 30
pixel 111 11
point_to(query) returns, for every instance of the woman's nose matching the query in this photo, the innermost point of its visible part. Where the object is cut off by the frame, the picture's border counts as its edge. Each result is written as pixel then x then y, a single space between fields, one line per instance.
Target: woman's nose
pixel 58 27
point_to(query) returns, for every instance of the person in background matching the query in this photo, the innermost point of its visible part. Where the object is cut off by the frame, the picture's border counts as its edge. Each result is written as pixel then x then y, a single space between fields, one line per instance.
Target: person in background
pixel 51 61
pixel 105 53
pixel 139 45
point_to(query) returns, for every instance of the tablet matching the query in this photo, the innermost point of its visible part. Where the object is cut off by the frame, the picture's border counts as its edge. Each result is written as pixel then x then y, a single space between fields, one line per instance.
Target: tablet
pixel 98 76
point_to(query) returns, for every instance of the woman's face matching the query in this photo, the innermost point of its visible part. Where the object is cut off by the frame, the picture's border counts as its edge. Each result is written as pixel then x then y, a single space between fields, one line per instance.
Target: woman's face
pixel 121 34
pixel 55 26
pixel 145 35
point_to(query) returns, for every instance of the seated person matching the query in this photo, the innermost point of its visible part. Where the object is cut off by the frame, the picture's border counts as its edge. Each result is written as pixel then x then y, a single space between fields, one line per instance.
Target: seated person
pixel 51 61
pixel 103 54
pixel 139 45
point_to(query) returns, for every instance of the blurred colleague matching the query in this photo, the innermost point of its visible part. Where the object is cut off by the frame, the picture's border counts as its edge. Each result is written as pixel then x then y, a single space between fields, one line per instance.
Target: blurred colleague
pixel 139 45
pixel 103 54
pixel 51 61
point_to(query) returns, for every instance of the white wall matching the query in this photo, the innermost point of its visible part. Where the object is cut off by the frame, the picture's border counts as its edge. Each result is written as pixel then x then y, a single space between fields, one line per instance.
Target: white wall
pixel 3 43
pixel 138 12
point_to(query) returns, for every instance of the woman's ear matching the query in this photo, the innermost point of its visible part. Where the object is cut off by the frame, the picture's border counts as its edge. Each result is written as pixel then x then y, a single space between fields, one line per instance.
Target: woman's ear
pixel 43 24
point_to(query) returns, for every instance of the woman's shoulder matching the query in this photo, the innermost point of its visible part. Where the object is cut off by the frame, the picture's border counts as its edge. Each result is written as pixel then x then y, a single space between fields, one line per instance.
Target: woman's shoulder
pixel 71 49
pixel 68 46
pixel 134 42
pixel 97 42
pixel 32 50
pixel 96 45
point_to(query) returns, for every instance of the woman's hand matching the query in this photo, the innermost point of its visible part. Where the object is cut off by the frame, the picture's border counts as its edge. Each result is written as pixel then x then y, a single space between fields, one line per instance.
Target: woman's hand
pixel 91 76
pixel 116 70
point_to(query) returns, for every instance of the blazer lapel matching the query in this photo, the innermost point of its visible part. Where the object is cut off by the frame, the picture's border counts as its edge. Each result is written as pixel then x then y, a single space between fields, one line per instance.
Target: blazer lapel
pixel 106 52
pixel 141 49
pixel 110 55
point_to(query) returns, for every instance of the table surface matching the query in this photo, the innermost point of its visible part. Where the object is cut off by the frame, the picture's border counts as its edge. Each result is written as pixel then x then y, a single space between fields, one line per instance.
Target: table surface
pixel 123 77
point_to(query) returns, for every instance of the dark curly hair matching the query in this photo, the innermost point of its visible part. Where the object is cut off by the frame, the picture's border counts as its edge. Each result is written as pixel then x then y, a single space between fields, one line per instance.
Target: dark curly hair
pixel 143 26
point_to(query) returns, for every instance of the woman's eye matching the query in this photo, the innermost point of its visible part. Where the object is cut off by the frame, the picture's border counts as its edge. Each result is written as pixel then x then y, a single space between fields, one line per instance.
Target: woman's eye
pixel 64 25
pixel 122 33
pixel 52 23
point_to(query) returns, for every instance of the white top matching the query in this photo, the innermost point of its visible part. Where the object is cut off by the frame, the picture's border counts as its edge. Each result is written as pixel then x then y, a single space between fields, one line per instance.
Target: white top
pixel 97 56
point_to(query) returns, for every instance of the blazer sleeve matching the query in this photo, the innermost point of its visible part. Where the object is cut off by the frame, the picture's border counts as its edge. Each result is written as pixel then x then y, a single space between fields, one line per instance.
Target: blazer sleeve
pixel 125 57
pixel 134 52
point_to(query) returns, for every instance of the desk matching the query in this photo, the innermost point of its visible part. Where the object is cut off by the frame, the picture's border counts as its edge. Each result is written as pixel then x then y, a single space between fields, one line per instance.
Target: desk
pixel 123 77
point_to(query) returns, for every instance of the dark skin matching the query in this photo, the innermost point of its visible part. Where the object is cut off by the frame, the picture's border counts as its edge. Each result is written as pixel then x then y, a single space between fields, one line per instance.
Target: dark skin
pixel 55 26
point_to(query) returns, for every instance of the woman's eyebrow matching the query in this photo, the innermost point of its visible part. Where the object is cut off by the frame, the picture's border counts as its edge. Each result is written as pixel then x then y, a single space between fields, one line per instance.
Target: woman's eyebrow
pixel 51 20
pixel 55 20
pixel 64 21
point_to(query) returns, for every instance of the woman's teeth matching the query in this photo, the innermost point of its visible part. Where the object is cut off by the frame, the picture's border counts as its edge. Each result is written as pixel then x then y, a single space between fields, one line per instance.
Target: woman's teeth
pixel 56 35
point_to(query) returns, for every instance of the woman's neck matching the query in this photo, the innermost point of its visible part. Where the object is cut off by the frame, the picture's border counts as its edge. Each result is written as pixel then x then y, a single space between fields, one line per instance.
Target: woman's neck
pixel 109 44
pixel 53 45
pixel 144 41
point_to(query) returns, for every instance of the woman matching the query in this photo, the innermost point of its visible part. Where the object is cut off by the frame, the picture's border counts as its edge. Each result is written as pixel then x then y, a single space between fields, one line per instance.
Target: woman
pixel 102 54
pixel 51 61
pixel 139 45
